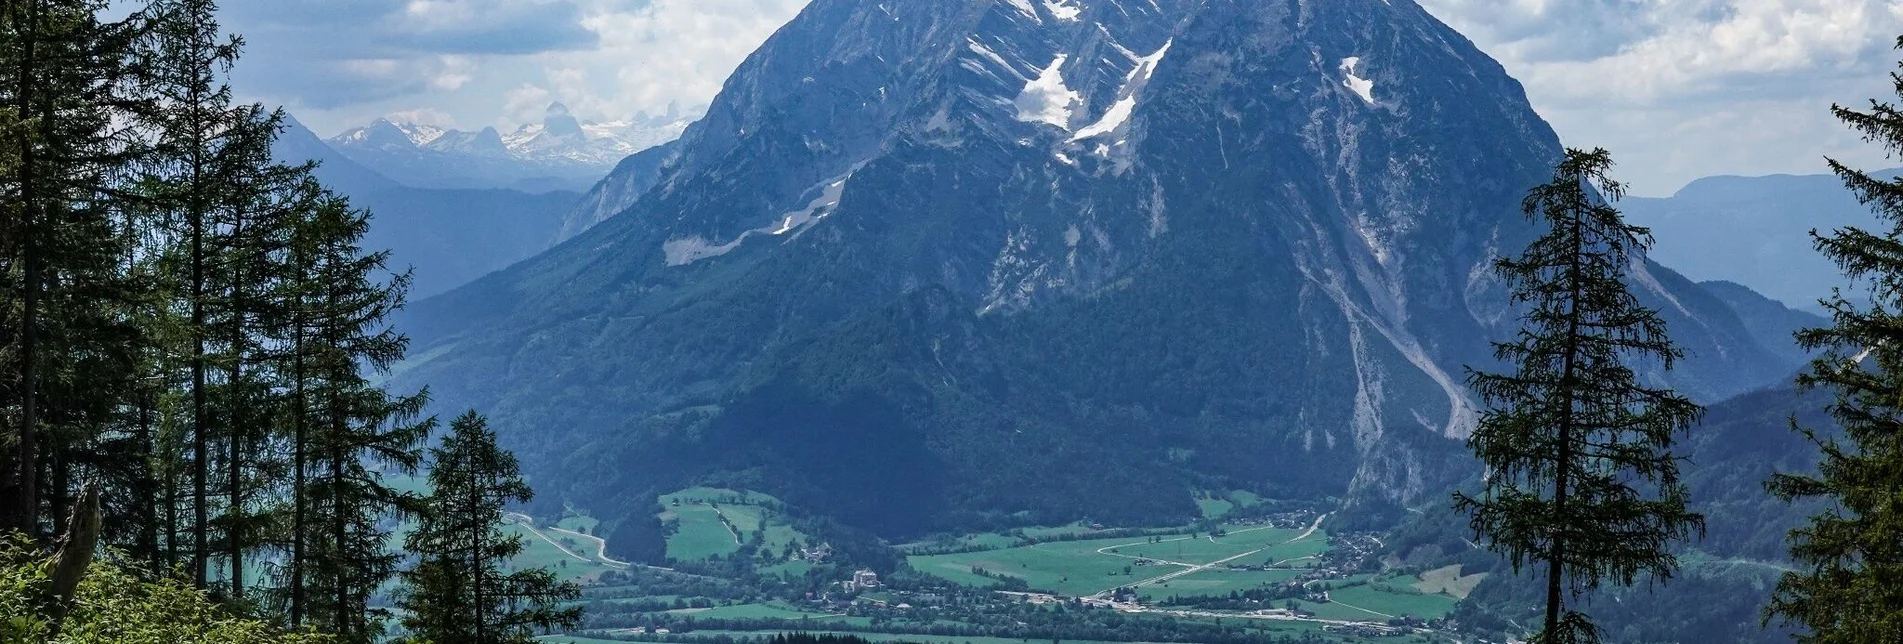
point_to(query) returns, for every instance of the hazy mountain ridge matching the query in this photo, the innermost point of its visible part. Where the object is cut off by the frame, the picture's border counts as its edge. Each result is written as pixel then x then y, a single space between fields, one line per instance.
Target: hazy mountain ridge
pixel 1755 231
pixel 561 152
pixel 1014 245
pixel 447 237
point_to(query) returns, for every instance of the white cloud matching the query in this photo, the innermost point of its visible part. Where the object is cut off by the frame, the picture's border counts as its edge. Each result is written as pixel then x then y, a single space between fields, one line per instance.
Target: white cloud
pixel 675 50
pixel 424 116
pixel 1679 89
pixel 526 104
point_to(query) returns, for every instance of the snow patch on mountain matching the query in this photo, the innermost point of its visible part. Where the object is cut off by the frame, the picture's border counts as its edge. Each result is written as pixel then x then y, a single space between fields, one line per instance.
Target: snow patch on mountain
pixel 1024 7
pixel 1046 99
pixel 1119 112
pixel 1063 10
pixel 1362 87
pixel 819 208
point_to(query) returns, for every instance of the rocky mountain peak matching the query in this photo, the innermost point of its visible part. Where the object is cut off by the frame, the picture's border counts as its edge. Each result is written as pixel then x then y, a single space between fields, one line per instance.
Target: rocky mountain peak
pixel 1243 239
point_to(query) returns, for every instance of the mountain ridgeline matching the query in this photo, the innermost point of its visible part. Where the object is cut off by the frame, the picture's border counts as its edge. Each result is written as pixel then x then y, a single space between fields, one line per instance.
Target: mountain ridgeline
pixel 447 237
pixel 929 265
pixel 560 153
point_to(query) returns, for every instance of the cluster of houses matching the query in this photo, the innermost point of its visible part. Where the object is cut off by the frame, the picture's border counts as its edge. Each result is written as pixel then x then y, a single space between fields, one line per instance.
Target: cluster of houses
pixel 1286 520
pixel 817 554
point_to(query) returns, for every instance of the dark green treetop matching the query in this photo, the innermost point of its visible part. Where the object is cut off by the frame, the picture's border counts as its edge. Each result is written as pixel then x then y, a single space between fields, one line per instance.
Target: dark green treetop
pixel 461 589
pixel 1849 582
pixel 1578 449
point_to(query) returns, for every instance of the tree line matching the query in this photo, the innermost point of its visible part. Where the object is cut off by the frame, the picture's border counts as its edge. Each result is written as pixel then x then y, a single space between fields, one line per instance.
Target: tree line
pixel 1582 476
pixel 196 329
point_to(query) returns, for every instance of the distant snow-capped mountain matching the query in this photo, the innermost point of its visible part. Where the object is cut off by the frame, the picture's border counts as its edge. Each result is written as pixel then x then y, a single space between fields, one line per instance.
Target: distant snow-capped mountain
pixel 562 152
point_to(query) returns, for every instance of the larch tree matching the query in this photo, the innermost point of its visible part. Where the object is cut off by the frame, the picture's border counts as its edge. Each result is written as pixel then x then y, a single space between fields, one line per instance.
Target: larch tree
pixel 1848 586
pixel 1581 473
pixel 461 589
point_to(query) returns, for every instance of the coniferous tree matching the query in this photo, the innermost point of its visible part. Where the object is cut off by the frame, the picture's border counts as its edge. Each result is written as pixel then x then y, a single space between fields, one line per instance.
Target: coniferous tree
pixel 460 589
pixel 1849 582
pixel 1581 473
pixel 354 423
pixel 70 342
pixel 215 180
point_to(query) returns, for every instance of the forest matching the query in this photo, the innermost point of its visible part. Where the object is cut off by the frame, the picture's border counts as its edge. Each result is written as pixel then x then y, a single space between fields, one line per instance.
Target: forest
pixel 197 443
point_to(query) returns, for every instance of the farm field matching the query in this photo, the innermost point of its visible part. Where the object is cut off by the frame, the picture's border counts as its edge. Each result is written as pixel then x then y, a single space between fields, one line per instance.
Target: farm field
pixel 1449 581
pixel 1394 603
pixel 1088 567
pixel 1215 582
pixel 714 522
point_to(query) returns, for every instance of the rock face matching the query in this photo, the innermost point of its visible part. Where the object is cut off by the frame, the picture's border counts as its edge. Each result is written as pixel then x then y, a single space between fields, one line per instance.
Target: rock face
pixel 1036 260
pixel 560 153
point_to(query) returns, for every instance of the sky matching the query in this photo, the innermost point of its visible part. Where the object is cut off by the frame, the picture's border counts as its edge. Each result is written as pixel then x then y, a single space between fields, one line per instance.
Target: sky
pixel 1677 89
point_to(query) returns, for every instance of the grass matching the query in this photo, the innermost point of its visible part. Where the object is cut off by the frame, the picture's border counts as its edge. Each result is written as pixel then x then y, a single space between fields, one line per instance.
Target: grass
pixel 1449 581
pixel 1076 568
pixel 1216 583
pixel 1394 603
pixel 1205 548
pixel 702 534
pixel 1215 508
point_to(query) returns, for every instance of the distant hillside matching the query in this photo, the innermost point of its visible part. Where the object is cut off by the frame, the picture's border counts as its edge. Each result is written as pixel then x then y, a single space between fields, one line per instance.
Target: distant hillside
pixel 1754 231
pixel 1770 322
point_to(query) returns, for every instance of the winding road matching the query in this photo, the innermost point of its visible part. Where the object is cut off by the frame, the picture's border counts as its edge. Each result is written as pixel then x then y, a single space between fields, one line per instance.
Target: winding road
pixel 601 546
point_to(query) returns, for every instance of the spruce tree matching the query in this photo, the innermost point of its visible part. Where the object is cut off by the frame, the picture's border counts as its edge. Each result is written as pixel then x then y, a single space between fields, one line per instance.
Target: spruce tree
pixel 1581 473
pixel 1849 583
pixel 69 341
pixel 215 180
pixel 461 589
pixel 354 424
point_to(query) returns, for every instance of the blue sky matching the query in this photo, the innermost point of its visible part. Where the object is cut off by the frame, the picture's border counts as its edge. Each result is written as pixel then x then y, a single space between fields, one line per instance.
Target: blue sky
pixel 1678 89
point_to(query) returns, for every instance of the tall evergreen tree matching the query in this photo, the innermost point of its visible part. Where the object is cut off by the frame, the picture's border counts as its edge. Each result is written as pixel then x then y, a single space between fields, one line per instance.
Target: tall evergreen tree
pixel 64 77
pixel 354 424
pixel 215 178
pixel 460 589
pixel 1849 582
pixel 1581 473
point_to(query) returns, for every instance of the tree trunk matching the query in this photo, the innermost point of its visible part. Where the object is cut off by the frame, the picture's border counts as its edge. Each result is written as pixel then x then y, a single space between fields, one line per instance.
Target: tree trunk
pixel 298 442
pixel 235 434
pixel 24 515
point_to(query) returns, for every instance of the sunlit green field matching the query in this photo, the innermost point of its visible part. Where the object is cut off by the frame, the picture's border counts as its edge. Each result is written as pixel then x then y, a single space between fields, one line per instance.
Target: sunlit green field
pixel 701 534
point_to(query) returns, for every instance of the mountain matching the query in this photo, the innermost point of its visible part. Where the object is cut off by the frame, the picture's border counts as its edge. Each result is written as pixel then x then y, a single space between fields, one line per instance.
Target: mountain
pixel 1770 322
pixel 445 237
pixel 560 153
pixel 930 265
pixel 1754 231
pixel 620 189
pixel 297 144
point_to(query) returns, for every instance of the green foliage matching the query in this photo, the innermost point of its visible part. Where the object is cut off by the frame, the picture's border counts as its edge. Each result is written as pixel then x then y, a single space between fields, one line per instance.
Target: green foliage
pixel 1849 583
pixel 1574 443
pixel 115 605
pixel 459 590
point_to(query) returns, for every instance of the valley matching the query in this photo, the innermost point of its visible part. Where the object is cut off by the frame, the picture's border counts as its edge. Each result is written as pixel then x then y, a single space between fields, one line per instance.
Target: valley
pixel 738 564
